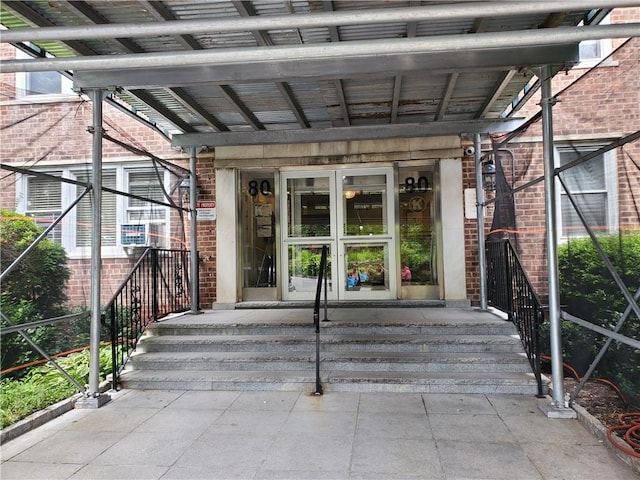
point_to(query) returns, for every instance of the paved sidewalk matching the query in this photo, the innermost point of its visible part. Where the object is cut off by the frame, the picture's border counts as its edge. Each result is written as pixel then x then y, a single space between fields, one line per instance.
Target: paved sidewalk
pixel 288 435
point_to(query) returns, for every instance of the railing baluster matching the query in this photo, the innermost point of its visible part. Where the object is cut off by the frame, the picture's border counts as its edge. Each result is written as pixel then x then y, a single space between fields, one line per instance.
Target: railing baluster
pixel 513 293
pixel 153 289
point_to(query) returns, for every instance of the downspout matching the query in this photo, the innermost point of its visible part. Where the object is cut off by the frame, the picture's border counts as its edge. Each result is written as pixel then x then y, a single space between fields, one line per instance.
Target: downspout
pixel 93 398
pixel 193 197
pixel 557 370
pixel 482 259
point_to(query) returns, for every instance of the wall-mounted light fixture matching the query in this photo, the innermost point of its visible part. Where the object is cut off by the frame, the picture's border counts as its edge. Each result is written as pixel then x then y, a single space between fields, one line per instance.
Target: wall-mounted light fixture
pixel 185 189
pixel 489 176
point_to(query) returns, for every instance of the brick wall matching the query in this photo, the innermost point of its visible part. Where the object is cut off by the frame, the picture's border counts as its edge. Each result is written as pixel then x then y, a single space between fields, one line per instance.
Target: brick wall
pixel 54 133
pixel 601 105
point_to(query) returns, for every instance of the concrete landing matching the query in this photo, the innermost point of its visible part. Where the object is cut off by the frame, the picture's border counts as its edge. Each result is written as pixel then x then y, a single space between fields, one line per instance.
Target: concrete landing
pixel 287 435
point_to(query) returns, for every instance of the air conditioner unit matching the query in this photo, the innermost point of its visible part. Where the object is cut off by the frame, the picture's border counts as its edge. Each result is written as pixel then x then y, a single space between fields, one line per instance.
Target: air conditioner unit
pixel 140 235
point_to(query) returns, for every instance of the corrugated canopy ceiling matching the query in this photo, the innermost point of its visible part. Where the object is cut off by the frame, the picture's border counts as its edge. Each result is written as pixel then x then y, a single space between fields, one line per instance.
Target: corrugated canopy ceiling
pixel 231 72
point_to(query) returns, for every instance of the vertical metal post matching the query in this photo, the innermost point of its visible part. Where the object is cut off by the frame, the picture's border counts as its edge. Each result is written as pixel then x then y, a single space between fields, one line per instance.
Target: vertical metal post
pixel 482 257
pixel 557 371
pixel 155 279
pixel 93 394
pixel 193 198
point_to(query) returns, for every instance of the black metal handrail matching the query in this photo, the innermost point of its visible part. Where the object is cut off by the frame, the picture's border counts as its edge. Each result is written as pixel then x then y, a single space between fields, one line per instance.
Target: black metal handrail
pixel 157 285
pixel 509 290
pixel 322 275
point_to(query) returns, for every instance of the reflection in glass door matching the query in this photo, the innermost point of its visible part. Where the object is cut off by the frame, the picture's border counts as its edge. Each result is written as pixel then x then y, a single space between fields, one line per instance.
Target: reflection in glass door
pixel 365 215
pixel 351 211
pixel 307 202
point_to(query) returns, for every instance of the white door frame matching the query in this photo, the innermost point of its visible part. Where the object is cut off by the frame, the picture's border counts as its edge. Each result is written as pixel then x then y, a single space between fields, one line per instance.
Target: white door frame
pixel 338 240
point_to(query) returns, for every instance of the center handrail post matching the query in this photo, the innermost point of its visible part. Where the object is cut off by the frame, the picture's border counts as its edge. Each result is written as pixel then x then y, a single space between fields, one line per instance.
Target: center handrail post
pixel 316 315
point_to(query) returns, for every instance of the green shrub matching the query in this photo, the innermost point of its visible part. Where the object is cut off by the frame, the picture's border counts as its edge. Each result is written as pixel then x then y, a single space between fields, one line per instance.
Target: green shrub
pixel 588 291
pixel 41 276
pixel 43 386
pixel 34 290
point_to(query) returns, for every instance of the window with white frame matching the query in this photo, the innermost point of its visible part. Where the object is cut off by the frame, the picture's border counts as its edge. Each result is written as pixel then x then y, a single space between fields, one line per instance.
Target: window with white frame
pixel 45 198
pixel 593 52
pixel 147 184
pixel 593 187
pixel 41 83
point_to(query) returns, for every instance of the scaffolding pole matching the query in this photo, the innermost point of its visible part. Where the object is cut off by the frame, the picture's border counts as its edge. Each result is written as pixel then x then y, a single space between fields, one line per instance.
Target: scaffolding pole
pixel 193 198
pixel 557 370
pixel 93 398
pixel 482 258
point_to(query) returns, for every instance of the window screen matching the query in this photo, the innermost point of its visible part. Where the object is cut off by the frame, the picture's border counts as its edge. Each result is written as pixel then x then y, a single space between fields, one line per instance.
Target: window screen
pixel 587 184
pixel 44 203
pixel 109 210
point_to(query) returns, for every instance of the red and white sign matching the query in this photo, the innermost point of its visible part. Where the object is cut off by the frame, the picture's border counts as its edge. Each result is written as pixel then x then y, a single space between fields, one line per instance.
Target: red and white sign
pixel 206 211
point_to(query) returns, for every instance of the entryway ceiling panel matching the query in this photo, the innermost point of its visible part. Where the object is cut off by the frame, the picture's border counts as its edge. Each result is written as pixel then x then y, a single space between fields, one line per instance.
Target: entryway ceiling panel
pixel 373 64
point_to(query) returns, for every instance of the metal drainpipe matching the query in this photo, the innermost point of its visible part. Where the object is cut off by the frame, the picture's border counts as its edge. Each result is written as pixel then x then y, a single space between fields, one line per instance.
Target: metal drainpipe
pixel 193 197
pixel 482 258
pixel 557 370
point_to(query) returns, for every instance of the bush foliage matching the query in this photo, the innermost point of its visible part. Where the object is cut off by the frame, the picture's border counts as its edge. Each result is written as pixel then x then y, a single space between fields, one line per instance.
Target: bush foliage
pixel 43 386
pixel 588 291
pixel 34 290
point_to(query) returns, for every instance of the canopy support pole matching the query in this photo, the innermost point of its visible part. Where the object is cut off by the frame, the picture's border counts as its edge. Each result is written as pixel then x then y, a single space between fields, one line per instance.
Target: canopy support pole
pixel 93 398
pixel 558 408
pixel 482 258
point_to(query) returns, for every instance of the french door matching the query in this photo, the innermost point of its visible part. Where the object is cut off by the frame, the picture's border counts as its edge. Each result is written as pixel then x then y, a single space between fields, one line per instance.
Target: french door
pixel 352 212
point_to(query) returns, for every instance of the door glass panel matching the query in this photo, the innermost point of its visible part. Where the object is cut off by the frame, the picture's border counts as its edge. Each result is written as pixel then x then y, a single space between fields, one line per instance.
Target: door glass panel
pixel 417 239
pixel 367 267
pixel 308 207
pixel 258 230
pixel 365 205
pixel 304 263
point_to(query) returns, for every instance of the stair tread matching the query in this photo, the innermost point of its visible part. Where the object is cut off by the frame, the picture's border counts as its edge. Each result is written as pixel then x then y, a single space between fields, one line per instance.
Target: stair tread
pixel 230 375
pixel 342 338
pixel 333 356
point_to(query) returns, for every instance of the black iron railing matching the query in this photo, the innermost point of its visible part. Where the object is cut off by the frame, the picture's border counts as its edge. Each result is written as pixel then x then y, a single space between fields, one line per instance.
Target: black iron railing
pixel 509 290
pixel 322 278
pixel 157 286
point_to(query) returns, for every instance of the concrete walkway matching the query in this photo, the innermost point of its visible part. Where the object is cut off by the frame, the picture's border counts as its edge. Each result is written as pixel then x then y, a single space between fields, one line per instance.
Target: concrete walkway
pixel 287 435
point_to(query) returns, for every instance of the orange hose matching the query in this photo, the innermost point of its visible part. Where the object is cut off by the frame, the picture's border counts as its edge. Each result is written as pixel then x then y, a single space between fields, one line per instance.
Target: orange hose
pixel 44 360
pixel 596 379
pixel 631 428
pixel 631 435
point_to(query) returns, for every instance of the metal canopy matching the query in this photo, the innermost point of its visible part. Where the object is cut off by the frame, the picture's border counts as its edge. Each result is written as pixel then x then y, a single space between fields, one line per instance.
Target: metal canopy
pixel 231 72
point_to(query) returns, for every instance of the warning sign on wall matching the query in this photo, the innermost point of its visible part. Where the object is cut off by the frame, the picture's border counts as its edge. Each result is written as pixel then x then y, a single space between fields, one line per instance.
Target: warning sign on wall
pixel 206 211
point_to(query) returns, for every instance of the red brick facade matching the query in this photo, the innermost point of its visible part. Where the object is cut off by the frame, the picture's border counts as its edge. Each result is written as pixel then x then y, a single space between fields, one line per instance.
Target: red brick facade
pixel 593 105
pixel 50 133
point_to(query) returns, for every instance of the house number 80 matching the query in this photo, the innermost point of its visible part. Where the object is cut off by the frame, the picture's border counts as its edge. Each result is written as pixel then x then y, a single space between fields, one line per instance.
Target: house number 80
pixel 410 184
pixel 265 188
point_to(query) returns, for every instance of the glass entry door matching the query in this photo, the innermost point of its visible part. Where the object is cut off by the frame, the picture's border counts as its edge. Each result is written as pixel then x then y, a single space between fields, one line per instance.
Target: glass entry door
pixel 352 212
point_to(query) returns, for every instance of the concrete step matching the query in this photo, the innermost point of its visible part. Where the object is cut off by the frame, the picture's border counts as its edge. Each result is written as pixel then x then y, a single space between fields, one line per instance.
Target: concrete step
pixel 378 343
pixel 357 381
pixel 342 361
pixel 330 328
pixel 362 349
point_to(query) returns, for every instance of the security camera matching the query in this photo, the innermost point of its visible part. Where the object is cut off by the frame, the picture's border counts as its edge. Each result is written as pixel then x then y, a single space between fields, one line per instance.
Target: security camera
pixel 468 151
